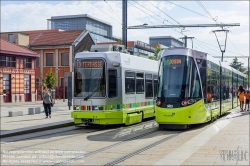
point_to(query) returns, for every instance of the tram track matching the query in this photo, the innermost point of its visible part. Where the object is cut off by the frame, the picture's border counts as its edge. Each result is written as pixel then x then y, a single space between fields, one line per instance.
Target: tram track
pixel 106 148
pixel 125 157
pixel 133 153
pixel 67 137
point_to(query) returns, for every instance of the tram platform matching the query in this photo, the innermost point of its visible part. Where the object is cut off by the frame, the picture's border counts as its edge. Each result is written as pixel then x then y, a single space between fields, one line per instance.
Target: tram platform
pixel 16 125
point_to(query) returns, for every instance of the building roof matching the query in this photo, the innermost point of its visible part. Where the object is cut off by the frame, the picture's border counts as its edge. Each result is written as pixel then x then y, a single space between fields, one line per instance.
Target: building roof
pixel 51 38
pixel 11 48
pixel 33 34
pixel 78 16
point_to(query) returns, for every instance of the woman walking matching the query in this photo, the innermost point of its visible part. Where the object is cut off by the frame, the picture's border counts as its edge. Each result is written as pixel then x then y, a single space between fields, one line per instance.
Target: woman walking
pixel 47 99
pixel 241 95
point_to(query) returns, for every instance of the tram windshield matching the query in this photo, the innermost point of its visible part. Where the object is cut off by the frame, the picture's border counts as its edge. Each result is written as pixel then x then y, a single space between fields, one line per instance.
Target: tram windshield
pixel 89 78
pixel 178 78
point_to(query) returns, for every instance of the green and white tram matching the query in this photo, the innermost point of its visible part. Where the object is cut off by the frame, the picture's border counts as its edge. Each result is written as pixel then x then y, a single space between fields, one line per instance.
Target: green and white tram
pixel 189 88
pixel 113 88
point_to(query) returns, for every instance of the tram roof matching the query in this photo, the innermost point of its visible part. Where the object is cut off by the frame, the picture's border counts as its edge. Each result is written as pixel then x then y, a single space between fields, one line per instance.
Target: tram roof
pixel 192 52
pixel 126 60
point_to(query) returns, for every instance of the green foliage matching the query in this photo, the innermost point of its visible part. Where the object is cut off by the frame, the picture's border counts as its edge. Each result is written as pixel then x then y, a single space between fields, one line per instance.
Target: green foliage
pixel 120 41
pixel 237 65
pixel 155 56
pixel 50 80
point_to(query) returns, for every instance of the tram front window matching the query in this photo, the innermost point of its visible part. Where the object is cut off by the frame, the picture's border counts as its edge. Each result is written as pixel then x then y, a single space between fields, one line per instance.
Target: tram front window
pixel 179 78
pixel 89 78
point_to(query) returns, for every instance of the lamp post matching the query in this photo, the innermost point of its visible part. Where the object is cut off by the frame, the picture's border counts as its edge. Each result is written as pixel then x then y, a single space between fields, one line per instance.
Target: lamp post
pixel 222 46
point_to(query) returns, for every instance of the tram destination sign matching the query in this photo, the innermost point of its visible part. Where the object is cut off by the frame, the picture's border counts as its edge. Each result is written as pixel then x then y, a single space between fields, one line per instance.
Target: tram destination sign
pixel 172 62
pixel 90 64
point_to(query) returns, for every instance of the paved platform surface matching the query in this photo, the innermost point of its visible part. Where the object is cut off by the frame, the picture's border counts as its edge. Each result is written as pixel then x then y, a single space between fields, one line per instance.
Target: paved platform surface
pixel 223 142
pixel 60 117
pixel 23 106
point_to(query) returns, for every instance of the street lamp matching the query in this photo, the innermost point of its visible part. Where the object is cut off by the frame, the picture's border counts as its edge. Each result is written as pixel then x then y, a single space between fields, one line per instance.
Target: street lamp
pixel 222 45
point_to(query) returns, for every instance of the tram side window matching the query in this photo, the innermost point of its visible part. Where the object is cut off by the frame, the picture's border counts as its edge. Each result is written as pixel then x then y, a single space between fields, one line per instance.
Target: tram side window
pixel 155 85
pixel 196 88
pixel 215 88
pixel 129 82
pixel 112 91
pixel 149 85
pixel 139 82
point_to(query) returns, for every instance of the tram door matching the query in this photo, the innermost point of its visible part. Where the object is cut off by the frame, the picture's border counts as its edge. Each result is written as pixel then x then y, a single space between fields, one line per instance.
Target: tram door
pixel 27 88
pixel 6 88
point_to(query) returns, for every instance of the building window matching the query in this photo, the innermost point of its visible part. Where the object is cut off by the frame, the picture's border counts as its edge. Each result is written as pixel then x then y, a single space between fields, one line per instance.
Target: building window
pixel 37 62
pixel 6 83
pixel 37 81
pixel 10 38
pixel 49 59
pixel 62 81
pixel 7 61
pixel 27 63
pixel 65 59
pixel 26 83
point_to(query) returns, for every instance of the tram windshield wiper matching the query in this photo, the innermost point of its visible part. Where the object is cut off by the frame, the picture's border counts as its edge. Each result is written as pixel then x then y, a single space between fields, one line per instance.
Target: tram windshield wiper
pixel 97 89
pixel 91 94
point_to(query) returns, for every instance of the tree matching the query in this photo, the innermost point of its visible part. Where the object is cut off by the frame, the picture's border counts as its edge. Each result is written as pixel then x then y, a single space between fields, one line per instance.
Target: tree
pixel 120 41
pixel 237 65
pixel 50 80
pixel 155 56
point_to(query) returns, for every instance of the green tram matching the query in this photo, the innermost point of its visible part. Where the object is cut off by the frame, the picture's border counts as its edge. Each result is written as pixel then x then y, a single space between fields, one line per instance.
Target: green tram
pixel 189 88
pixel 111 87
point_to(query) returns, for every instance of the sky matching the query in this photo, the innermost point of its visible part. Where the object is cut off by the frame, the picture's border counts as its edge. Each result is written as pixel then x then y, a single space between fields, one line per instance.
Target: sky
pixel 33 15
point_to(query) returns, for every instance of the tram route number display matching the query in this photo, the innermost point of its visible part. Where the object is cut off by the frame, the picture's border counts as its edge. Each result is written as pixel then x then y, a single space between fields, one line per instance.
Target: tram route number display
pixel 172 62
pixel 89 64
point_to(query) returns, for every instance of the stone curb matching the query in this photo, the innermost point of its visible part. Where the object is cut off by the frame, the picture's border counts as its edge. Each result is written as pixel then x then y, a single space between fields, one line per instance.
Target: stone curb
pixel 28 130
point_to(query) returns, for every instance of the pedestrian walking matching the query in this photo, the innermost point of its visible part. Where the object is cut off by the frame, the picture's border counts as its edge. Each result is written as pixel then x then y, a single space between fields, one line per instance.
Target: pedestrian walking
pixel 241 95
pixel 43 92
pixel 47 100
pixel 247 95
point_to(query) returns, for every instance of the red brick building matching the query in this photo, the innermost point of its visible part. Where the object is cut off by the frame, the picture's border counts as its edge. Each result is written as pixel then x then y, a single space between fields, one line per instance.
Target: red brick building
pixel 57 50
pixel 17 73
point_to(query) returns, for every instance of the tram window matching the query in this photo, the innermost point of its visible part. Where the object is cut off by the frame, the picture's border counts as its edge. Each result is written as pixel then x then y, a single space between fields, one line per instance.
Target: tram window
pixel 195 83
pixel 155 85
pixel 112 91
pixel 148 85
pixel 129 82
pixel 139 82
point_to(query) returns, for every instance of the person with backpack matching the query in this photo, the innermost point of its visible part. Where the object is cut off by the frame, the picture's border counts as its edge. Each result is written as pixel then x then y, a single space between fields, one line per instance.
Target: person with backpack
pixel 47 99
pixel 241 95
